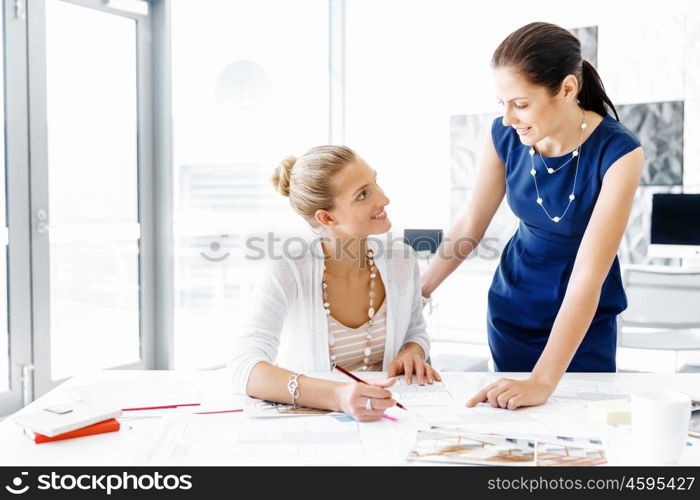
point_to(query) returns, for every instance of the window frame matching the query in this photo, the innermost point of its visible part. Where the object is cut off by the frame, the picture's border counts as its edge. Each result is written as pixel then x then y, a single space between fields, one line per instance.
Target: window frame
pixel 17 203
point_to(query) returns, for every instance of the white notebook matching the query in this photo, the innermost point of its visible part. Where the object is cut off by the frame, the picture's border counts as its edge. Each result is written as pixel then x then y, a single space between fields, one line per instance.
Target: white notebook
pixel 53 423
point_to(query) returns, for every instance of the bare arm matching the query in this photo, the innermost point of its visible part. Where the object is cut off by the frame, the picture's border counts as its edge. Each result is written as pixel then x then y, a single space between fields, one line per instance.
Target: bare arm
pixel 467 232
pixel 269 382
pixel 595 256
pixel 256 348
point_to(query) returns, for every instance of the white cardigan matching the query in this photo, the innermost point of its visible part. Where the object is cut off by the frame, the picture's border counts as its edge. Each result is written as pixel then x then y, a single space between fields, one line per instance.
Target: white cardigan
pixel 287 324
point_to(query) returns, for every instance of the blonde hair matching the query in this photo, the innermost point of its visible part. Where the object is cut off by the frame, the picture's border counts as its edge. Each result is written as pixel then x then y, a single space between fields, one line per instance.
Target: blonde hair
pixel 307 180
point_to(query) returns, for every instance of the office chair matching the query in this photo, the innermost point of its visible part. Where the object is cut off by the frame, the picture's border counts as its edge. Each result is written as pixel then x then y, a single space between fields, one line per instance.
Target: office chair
pixel 426 243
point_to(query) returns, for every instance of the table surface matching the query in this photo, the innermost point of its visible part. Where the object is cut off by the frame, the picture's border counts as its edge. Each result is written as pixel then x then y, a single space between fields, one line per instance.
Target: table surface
pixel 179 437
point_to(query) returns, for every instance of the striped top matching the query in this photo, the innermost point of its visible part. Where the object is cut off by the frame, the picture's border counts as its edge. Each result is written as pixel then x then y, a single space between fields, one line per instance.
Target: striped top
pixel 350 343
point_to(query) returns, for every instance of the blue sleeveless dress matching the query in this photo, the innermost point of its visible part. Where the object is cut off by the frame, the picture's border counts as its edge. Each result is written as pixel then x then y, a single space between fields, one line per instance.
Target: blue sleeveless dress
pixel 530 282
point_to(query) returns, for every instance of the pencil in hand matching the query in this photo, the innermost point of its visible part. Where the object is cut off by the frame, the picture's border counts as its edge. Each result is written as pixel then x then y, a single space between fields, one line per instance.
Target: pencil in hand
pixel 358 379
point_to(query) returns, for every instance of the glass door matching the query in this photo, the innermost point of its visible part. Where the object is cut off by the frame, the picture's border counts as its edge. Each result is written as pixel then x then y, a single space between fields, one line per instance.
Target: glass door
pixel 87 154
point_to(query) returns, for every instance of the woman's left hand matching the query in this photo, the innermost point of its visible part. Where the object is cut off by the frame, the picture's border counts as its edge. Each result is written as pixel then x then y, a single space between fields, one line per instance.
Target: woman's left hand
pixel 512 394
pixel 410 361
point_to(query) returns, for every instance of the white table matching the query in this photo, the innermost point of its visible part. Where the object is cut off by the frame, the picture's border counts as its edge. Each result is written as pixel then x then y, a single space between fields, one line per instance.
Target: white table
pixel 180 438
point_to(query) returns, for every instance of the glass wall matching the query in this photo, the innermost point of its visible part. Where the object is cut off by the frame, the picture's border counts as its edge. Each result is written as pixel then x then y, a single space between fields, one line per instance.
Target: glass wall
pixel 250 86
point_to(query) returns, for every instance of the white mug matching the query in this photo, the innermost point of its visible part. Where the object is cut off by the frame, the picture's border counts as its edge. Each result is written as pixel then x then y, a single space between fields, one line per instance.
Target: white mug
pixel 660 421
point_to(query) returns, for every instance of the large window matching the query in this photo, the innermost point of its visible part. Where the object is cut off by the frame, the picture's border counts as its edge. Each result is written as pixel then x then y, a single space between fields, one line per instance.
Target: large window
pixel 251 82
pixel 250 86
pixel 401 93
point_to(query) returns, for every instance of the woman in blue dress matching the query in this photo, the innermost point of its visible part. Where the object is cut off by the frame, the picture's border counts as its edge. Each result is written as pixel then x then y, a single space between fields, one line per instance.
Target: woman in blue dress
pixel 569 171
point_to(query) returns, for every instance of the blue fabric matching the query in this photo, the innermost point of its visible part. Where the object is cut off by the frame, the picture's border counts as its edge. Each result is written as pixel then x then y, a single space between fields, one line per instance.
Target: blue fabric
pixel 530 282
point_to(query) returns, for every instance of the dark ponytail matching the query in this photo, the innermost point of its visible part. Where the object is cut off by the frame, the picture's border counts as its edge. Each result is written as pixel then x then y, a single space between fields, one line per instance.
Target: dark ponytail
pixel 545 54
pixel 592 94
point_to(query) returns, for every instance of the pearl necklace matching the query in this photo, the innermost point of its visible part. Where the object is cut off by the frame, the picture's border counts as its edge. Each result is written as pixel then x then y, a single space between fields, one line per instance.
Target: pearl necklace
pixel 533 172
pixel 370 311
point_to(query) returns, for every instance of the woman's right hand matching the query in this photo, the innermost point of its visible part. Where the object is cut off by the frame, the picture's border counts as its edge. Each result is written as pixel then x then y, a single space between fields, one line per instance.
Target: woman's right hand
pixel 352 399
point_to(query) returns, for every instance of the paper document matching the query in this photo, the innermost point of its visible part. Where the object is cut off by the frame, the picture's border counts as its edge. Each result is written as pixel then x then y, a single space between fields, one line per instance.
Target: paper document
pixel 506 449
pixel 221 440
pixel 468 448
pixel 414 395
pixel 257 408
pixel 570 451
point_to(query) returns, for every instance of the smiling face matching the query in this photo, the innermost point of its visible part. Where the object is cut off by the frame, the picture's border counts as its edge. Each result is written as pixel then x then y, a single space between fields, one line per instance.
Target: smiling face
pixel 531 109
pixel 359 203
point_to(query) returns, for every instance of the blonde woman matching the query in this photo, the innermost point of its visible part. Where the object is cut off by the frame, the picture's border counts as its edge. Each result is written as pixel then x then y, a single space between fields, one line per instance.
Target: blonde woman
pixel 345 299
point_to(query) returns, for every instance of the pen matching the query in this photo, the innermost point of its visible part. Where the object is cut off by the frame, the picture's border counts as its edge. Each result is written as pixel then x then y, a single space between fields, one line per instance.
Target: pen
pixel 217 411
pixel 358 379
pixel 164 407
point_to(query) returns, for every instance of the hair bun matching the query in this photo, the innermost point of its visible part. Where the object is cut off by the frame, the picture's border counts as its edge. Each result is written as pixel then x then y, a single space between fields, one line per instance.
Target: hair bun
pixel 283 175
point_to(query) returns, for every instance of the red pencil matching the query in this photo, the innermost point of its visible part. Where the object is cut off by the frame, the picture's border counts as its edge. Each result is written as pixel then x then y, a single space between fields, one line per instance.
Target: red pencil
pixel 217 411
pixel 164 407
pixel 358 379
